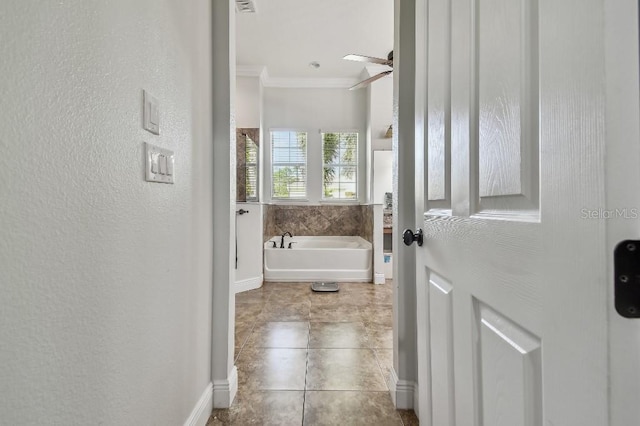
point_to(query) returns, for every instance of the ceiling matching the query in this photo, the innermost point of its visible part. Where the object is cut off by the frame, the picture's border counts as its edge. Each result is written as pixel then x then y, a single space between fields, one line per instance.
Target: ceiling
pixel 287 35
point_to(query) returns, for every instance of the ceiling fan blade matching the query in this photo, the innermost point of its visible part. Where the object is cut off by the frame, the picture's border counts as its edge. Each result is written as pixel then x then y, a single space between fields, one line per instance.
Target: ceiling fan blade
pixel 370 59
pixel 368 81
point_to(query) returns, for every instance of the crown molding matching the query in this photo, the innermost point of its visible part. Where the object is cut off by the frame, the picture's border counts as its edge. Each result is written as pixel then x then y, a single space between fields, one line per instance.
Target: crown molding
pixel 251 70
pixel 261 72
pixel 310 83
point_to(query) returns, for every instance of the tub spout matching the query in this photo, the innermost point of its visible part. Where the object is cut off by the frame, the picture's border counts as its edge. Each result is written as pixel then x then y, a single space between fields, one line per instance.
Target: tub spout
pixel 282 239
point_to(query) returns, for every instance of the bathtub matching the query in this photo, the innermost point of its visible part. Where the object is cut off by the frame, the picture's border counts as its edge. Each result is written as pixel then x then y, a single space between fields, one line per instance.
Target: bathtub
pixel 318 259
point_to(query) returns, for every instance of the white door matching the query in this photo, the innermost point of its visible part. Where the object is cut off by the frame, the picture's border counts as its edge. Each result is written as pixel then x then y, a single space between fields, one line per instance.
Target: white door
pixel 531 159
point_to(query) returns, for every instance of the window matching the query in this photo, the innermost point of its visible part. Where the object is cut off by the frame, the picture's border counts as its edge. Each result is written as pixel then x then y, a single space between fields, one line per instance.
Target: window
pixel 340 166
pixel 251 169
pixel 288 165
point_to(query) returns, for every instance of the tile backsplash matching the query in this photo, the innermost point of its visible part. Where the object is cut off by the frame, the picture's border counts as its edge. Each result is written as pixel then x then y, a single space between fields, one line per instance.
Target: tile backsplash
pixel 327 220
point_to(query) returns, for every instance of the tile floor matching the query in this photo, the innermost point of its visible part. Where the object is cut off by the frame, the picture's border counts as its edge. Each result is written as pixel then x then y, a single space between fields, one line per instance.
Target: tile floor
pixel 309 358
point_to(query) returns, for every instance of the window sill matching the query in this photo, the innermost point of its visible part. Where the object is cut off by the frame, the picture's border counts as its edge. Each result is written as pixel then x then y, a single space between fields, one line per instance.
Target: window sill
pixel 341 202
pixel 288 200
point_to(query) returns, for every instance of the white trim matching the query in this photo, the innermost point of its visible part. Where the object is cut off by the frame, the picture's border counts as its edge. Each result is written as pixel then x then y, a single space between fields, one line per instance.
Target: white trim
pixel 224 391
pixel 251 71
pixel 402 392
pixel 416 400
pixel 248 284
pixel 203 408
pixel 223 83
pixel 262 72
pixel 310 83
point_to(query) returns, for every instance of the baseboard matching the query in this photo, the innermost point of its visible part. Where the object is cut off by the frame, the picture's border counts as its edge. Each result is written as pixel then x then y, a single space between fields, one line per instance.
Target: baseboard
pixel 202 411
pixel 248 284
pixel 416 399
pixel 402 392
pixel 224 391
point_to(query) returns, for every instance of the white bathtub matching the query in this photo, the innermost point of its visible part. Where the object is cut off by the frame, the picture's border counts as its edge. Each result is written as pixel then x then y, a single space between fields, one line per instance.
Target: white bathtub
pixel 318 259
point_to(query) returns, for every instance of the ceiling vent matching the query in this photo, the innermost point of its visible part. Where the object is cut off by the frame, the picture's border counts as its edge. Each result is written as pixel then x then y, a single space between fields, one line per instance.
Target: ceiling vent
pixel 245 6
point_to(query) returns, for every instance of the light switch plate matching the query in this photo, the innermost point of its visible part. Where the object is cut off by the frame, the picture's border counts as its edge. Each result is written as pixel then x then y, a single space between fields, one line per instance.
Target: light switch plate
pixel 150 113
pixel 159 164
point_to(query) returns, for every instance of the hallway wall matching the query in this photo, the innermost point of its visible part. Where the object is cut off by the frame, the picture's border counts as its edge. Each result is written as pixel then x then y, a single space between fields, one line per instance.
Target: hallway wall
pixel 105 310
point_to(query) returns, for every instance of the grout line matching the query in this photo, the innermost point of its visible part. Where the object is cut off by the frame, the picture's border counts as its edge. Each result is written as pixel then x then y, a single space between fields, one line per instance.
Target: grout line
pixel 253 326
pixel 306 369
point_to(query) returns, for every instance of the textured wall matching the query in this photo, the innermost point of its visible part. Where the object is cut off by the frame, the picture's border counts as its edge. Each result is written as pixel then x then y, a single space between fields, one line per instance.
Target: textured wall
pixel 319 220
pixel 248 227
pixel 105 309
pixel 248 107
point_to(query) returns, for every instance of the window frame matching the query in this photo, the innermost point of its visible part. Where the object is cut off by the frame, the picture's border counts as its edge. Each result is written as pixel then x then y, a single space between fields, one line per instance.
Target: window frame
pixel 355 164
pixel 274 164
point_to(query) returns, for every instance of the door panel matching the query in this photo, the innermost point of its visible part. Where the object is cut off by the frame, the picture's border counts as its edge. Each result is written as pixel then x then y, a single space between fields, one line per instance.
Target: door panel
pixel 506 64
pixel 510 371
pixel 441 324
pixel 526 276
pixel 439 105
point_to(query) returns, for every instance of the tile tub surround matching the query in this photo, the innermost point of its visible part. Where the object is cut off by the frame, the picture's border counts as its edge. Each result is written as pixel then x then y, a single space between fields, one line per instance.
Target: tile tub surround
pixel 309 358
pixel 322 220
pixel 366 229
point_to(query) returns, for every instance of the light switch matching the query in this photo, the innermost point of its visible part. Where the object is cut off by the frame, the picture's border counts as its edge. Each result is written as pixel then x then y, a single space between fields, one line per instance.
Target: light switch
pixel 159 165
pixel 154 163
pixel 150 113
pixel 163 164
pixel 170 166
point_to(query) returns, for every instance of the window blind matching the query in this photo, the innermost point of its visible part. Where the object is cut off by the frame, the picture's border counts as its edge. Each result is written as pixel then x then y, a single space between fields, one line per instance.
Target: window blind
pixel 340 166
pixel 288 164
pixel 251 169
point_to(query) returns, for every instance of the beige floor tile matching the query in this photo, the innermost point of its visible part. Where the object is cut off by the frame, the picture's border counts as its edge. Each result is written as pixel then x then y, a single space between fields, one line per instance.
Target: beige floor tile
pixel 282 334
pixel 272 369
pixel 242 334
pixel 247 313
pixel 277 408
pixel 300 294
pixel 356 298
pixel 326 298
pixel 344 369
pixel 335 313
pixel 408 417
pixel 275 285
pixel 260 295
pixel 377 314
pixel 338 335
pixel 385 360
pixel 273 312
pixel 380 336
pixel 350 408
